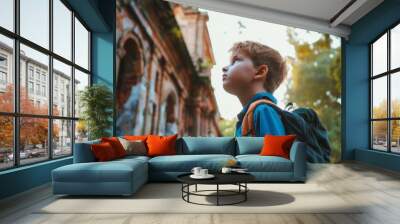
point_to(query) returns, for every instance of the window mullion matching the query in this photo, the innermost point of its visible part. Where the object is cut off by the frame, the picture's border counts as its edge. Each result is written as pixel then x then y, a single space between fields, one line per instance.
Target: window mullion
pixel 16 69
pixel 389 77
pixel 371 140
pixel 73 82
pixel 50 81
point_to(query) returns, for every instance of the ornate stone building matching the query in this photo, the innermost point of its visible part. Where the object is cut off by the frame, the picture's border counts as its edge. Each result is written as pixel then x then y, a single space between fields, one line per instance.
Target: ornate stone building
pixel 164 57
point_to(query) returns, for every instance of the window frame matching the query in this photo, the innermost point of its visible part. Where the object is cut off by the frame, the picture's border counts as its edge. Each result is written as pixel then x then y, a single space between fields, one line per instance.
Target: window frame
pixel 16 115
pixel 388 74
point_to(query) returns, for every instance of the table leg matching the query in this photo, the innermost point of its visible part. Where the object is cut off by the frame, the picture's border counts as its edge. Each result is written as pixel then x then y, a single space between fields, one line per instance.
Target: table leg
pixel 196 187
pixel 245 193
pixel 188 189
pixel 217 194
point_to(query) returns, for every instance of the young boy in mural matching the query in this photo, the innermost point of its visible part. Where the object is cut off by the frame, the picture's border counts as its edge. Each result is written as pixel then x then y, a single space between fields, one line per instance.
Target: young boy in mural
pixel 254 73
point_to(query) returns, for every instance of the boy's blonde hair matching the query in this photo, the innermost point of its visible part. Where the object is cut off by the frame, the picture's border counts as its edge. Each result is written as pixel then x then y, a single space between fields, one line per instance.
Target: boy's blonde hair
pixel 263 54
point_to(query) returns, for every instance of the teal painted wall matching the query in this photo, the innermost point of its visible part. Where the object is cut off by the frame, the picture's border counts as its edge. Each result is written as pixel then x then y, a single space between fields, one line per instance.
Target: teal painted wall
pixel 24 178
pixel 102 58
pixel 356 85
pixel 100 17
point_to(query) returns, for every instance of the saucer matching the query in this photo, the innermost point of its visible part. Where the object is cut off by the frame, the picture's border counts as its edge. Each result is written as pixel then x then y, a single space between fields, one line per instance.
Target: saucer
pixel 208 176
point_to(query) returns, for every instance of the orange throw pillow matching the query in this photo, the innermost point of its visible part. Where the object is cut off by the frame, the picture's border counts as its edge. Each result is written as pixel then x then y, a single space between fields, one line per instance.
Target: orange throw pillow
pixel 135 137
pixel 275 145
pixel 116 145
pixel 103 151
pixel 161 145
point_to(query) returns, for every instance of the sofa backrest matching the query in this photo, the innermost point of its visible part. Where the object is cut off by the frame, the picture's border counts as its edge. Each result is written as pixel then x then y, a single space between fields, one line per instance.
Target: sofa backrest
pixel 83 153
pixel 206 145
pixel 249 145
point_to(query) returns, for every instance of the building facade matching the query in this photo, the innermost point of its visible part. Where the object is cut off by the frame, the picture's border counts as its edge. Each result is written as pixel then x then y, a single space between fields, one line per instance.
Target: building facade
pixel 34 91
pixel 164 58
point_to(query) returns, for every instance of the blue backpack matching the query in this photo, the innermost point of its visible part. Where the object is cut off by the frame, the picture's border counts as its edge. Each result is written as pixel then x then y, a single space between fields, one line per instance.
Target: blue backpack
pixel 303 122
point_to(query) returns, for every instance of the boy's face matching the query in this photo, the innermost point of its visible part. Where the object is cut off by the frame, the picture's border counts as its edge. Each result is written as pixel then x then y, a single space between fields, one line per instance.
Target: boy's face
pixel 238 75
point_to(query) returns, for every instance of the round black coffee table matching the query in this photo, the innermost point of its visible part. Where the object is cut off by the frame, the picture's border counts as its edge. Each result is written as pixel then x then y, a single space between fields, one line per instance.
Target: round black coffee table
pixel 238 179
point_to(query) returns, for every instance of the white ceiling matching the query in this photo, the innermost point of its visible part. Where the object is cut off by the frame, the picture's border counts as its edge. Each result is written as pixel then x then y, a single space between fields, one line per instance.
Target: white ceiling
pixel 315 15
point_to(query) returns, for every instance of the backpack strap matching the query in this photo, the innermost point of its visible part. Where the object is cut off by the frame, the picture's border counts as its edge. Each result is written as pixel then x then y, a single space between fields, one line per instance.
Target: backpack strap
pixel 248 122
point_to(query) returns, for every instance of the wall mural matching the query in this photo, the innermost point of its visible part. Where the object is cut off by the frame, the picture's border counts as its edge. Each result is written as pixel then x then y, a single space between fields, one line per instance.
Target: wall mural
pixel 170 61
pixel 157 91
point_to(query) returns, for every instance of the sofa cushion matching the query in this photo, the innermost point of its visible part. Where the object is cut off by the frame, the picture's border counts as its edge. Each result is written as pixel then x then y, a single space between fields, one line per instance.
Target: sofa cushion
pixel 134 147
pixel 185 163
pixel 133 158
pixel 111 171
pixel 249 145
pixel 135 137
pixel 277 145
pixel 116 145
pixel 257 163
pixel 206 145
pixel 103 151
pixel 161 145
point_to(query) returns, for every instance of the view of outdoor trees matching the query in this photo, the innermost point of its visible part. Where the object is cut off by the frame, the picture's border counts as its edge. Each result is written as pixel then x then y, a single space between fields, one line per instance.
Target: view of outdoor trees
pixel 315 82
pixel 380 128
pixel 33 132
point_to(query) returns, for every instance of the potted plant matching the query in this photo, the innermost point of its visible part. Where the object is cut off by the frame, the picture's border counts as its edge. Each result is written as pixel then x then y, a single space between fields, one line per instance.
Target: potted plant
pixel 96 104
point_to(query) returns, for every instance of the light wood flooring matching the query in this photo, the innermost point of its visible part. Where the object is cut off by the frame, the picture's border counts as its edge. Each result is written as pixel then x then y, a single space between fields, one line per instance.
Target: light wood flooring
pixel 378 188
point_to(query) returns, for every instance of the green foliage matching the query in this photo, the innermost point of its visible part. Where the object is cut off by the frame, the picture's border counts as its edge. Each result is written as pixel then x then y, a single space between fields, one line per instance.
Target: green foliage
pixel 202 64
pixel 96 102
pixel 379 128
pixel 227 127
pixel 316 83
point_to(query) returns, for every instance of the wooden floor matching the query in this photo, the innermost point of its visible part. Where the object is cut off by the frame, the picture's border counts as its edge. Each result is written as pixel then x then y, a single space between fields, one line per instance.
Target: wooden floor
pixel 377 188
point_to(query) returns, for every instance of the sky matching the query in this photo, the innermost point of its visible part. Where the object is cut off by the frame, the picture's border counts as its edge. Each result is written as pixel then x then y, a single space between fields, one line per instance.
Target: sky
pixel 34 26
pixel 225 29
pixel 379 60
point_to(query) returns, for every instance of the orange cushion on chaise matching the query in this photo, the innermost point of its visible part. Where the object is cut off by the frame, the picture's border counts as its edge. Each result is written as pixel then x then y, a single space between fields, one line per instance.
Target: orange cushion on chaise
pixel 275 145
pixel 135 137
pixel 103 151
pixel 161 145
pixel 117 146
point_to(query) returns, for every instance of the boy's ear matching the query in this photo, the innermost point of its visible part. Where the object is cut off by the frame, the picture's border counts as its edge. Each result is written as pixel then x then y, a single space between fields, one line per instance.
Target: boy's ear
pixel 262 71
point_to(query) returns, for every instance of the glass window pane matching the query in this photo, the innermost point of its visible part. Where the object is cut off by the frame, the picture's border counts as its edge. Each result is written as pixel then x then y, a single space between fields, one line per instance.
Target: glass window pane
pixel 81 131
pixel 395 136
pixel 34 96
pixel 7 14
pixel 62 29
pixel 62 138
pixel 6 74
pixel 379 55
pixel 395 94
pixel 395 47
pixel 6 142
pixel 379 97
pixel 33 139
pixel 81 81
pixel 81 45
pixel 379 135
pixel 62 89
pixel 34 16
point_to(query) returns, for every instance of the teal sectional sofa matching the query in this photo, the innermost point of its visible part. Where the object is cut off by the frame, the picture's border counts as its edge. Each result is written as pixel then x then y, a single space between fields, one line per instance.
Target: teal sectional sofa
pixel 125 176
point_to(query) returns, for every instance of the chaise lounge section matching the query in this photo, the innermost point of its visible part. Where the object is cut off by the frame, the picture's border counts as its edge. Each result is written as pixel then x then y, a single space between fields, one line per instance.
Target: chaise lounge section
pixel 125 176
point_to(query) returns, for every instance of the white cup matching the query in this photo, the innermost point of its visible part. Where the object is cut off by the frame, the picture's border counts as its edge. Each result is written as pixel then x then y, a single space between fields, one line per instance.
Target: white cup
pixel 196 170
pixel 203 172
pixel 226 170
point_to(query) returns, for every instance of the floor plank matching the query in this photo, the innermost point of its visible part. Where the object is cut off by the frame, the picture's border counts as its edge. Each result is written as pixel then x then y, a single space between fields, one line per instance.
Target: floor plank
pixel 377 189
